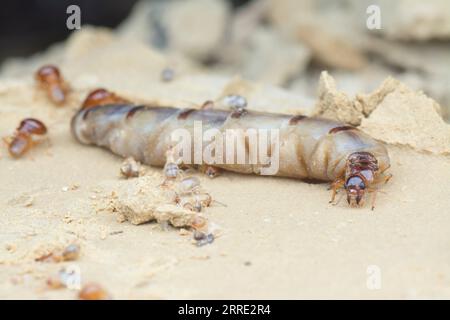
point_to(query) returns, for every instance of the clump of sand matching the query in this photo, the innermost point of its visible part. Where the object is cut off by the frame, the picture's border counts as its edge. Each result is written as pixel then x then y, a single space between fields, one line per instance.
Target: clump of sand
pixel 393 113
pixel 406 117
pixel 336 105
pixel 139 201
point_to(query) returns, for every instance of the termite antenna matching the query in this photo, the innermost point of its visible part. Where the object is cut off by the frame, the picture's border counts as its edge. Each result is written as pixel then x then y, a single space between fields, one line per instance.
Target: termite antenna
pixel 219 203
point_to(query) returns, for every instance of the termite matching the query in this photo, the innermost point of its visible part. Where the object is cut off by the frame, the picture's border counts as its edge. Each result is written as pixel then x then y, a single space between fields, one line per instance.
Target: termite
pixel 172 164
pixel 69 253
pixel 236 102
pixel 187 189
pixel 23 139
pixel 130 168
pixel 49 78
pixel 167 74
pixel 63 279
pixel 191 196
pixel 309 147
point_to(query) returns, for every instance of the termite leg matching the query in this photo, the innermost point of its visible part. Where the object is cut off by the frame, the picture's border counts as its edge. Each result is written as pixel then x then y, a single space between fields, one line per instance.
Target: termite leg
pixel 204 198
pixel 338 201
pixel 386 168
pixel 7 141
pixel 384 178
pixel 335 186
pixel 196 201
pixel 387 178
pixel 374 197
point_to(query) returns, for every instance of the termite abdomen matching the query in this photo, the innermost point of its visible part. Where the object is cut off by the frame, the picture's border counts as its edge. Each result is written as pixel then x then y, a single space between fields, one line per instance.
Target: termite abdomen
pixel 19 145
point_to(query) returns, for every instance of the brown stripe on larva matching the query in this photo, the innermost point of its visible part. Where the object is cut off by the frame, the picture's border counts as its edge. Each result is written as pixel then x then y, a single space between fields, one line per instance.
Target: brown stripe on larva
pixel 341 128
pixel 295 119
pixel 133 111
pixel 86 113
pixel 237 114
pixel 185 113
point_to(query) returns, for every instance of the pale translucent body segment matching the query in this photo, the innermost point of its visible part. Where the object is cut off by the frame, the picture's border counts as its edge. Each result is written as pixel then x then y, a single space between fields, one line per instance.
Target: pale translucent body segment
pixel 307 149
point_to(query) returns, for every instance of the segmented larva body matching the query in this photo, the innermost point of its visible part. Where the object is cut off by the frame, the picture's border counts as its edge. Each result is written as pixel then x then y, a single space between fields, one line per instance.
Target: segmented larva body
pixel 303 147
pixel 313 148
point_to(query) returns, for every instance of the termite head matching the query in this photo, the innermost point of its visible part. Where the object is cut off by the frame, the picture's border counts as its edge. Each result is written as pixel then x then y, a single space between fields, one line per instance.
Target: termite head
pixel 32 126
pixel 355 186
pixel 171 170
pixel 101 97
pixel 48 74
pixel 94 98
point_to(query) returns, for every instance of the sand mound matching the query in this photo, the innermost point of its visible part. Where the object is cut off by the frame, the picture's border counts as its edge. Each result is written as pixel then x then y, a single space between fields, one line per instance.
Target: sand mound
pixel 393 113
pixel 409 118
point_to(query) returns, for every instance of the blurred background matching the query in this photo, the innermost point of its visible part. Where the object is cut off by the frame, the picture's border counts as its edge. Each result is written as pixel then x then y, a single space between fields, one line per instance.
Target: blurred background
pixel 281 42
pixel 29 26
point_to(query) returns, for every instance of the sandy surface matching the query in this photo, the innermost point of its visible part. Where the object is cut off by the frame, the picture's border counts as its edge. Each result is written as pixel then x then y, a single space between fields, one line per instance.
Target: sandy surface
pixel 280 237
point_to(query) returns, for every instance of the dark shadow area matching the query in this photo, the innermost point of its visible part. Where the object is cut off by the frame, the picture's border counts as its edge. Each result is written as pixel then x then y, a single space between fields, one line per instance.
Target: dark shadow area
pixel 29 26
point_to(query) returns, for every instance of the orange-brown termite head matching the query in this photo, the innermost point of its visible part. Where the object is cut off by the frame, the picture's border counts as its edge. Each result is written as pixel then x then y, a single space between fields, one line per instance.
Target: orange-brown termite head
pixel 101 97
pixel 22 139
pixel 50 79
pixel 93 291
pixel 32 126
